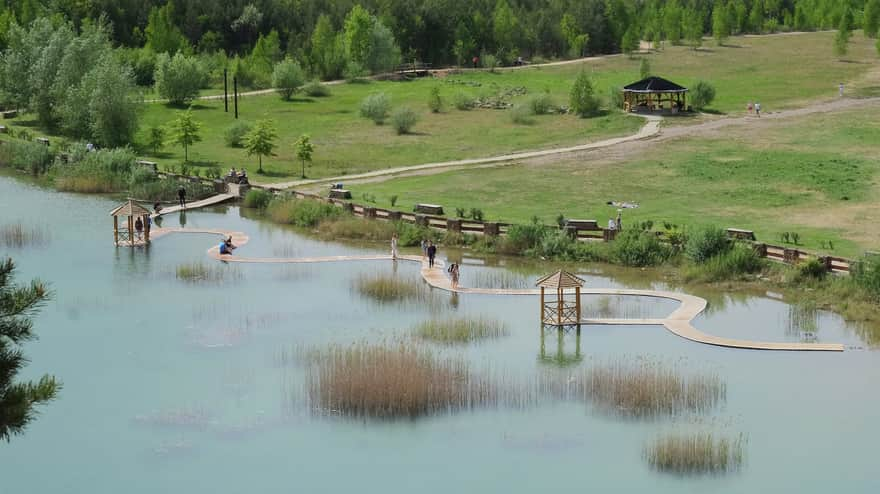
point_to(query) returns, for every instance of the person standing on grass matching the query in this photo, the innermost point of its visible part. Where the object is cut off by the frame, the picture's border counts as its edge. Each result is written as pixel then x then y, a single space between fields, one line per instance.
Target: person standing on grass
pixel 840 89
pixel 394 241
pixel 749 107
pixel 619 223
pixel 432 253
pixel 181 197
pixel 758 109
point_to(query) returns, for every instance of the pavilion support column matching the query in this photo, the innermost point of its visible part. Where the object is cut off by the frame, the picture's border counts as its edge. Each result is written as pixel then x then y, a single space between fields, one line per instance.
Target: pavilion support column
pixel 577 303
pixel 130 229
pixel 543 314
pixel 146 228
pixel 559 305
pixel 116 230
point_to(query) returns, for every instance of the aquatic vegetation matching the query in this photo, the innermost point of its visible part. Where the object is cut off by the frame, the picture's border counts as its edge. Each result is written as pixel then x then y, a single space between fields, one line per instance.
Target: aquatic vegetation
pixel 498 278
pixel 460 329
pixel 393 380
pixel 18 235
pixel 196 272
pixel 385 287
pixel 696 453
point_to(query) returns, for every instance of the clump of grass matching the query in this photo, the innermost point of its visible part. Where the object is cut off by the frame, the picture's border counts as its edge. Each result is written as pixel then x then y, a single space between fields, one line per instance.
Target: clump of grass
pixel 502 279
pixel 391 381
pixel 257 199
pixel 316 90
pixel 460 329
pixel 198 272
pixel 646 389
pixel 695 453
pixel 735 264
pixel 388 288
pixel 304 213
pixel 17 235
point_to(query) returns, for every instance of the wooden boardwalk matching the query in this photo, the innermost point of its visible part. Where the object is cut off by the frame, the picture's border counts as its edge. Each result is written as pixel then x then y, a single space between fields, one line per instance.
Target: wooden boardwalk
pixel 679 322
pixel 211 201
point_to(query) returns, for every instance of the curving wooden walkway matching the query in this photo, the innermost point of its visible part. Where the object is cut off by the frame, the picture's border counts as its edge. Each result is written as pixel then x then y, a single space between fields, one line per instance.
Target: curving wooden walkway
pixel 678 322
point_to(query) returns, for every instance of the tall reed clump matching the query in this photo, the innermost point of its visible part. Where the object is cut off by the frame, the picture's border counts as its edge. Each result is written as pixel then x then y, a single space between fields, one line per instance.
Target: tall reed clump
pixel 392 381
pixel 300 212
pixel 27 156
pixel 460 329
pixel 106 170
pixel 257 199
pixel 17 235
pixel 696 453
pixel 735 263
pixel 385 287
pixel 197 272
pixel 646 389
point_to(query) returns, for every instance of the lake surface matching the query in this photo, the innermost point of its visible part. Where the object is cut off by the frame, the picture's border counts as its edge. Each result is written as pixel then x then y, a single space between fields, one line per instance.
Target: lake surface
pixel 182 388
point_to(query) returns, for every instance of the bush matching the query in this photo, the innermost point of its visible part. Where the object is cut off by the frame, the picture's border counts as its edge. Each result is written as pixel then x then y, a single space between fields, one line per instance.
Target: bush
pixel 702 93
pixel 463 101
pixel 813 269
pixel 106 170
pixel 635 248
pixel 316 90
pixel 257 199
pixel 234 134
pixel 541 104
pixel 435 102
pixel 31 157
pixel 521 115
pixel 615 98
pixel 582 100
pixel 393 200
pixel 178 78
pixel 376 107
pixel 731 265
pixel 522 238
pixel 287 77
pixel 403 120
pixel 706 243
pixel 490 62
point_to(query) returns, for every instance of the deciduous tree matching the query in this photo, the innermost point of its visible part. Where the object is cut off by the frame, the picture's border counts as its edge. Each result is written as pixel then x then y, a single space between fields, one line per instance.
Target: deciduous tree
pixel 260 141
pixel 185 131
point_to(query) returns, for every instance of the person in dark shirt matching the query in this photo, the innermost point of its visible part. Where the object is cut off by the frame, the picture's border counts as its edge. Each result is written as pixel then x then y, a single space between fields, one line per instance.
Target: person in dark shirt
pixel 432 252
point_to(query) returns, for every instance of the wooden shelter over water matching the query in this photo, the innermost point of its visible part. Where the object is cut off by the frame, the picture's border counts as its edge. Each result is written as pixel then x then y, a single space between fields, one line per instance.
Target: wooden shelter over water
pixel 654 94
pixel 561 306
pixel 129 233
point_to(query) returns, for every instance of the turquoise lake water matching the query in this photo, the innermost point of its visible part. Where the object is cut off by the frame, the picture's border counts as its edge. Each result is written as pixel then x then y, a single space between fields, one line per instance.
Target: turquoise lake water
pixel 137 349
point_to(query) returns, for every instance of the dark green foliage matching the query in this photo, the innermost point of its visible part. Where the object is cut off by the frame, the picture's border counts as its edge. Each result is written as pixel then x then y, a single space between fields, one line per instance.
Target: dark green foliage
pixel 257 199
pixel 27 156
pixel 734 264
pixel 866 275
pixel 582 101
pixel 702 94
pixel 19 399
pixel 435 102
pixel 812 269
pixel 636 248
pixel 706 243
pixel 234 135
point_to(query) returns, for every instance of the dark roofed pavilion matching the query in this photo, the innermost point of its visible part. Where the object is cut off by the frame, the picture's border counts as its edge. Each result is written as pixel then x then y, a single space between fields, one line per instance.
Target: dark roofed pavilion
pixel 654 94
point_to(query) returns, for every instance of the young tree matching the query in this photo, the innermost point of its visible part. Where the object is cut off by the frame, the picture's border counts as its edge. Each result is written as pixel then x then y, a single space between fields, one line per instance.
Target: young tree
pixel 19 400
pixel 327 50
pixel 693 27
pixel 464 47
pixel 113 102
pixel 178 78
pixel 720 23
pixel 163 36
pixel 185 131
pixel 287 78
pixel 260 141
pixel 304 150
pixel 702 94
pixel 435 101
pixel 156 139
pixel 582 100
pixel 756 17
pixel 844 33
pixel 871 24
pixel 672 21
pixel 384 54
pixel 630 41
pixel 358 31
pixel 644 68
pixel 505 29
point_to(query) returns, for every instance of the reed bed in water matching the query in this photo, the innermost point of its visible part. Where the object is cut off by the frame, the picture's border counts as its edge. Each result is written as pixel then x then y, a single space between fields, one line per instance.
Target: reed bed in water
pixel 17 235
pixel 452 330
pixel 695 453
pixel 198 272
pixel 385 287
pixel 501 279
pixel 393 380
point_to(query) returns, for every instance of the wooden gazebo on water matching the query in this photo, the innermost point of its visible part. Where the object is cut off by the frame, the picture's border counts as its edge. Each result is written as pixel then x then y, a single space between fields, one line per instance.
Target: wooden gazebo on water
pixel 128 234
pixel 654 94
pixel 560 299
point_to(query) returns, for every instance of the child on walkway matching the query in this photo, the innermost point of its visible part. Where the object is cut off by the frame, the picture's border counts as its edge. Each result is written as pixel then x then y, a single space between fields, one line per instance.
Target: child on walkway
pixel 394 246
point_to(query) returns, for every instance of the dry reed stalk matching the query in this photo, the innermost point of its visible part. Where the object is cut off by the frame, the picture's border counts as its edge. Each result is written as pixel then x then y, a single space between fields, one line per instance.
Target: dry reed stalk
pixel 695 453
pixel 17 235
pixel 388 288
pixel 460 329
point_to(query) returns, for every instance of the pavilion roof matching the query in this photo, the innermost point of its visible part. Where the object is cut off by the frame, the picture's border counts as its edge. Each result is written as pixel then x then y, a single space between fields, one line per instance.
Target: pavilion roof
pixel 654 85
pixel 560 279
pixel 130 208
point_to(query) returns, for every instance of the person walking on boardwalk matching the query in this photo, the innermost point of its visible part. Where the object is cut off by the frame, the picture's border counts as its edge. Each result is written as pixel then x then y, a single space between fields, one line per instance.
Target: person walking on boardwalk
pixel 432 253
pixel 424 245
pixel 394 242
pixel 453 273
pixel 181 197
pixel 758 109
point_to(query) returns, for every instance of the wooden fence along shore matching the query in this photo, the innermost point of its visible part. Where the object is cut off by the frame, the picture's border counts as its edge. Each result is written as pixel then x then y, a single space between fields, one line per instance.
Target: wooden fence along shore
pixel 582 230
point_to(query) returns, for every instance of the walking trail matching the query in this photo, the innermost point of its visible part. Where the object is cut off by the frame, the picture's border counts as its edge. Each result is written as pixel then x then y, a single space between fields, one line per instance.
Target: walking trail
pixel 679 322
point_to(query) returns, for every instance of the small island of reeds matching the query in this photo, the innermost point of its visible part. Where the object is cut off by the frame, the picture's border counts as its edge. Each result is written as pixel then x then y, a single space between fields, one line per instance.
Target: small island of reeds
pixel 695 453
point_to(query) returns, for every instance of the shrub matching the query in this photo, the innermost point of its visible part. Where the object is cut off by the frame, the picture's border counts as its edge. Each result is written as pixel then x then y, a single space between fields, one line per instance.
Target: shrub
pixel 316 90
pixel 463 101
pixel 166 190
pixel 460 329
pixel 376 107
pixel 477 214
pixel 257 199
pixel 737 262
pixel 702 93
pixel 435 102
pixel 287 77
pixel 393 200
pixel 813 269
pixel 521 238
pixel 460 213
pixel 582 100
pixel 490 62
pixel 541 104
pixel 706 243
pixel 32 157
pixel 615 98
pixel 178 78
pixel 235 133
pixel 106 170
pixel 522 115
pixel 635 248
pixel 403 120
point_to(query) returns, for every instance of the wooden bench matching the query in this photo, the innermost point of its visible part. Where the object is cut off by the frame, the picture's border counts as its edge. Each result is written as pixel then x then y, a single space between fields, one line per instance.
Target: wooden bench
pixel 740 234
pixel 428 209
pixel 340 194
pixel 43 140
pixel 589 225
pixel 10 114
pixel 148 164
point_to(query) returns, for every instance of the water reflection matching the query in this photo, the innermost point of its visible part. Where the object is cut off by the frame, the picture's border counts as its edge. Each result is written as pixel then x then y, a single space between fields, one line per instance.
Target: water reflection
pixel 803 323
pixel 560 358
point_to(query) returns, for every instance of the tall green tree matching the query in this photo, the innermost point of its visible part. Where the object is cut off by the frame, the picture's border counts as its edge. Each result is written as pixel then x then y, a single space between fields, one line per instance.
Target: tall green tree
pixel 672 19
pixel 756 17
pixel 287 78
pixel 19 400
pixel 260 141
pixel 693 27
pixel 630 41
pixel 113 103
pixel 582 99
pixel 720 24
pixel 327 49
pixel 871 24
pixel 178 78
pixel 358 31
pixel 304 150
pixel 185 131
pixel 163 35
pixel 844 33
pixel 505 27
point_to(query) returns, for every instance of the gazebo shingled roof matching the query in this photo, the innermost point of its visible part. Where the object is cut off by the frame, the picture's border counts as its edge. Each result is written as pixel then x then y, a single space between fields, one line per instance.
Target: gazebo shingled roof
pixel 560 279
pixel 654 85
pixel 130 208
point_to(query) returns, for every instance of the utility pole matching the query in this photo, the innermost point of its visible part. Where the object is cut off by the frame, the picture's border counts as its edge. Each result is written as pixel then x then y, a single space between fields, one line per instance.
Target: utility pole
pixel 226 90
pixel 235 92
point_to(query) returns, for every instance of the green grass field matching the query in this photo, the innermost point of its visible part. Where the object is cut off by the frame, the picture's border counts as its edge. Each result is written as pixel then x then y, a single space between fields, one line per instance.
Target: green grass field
pixel 816 176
